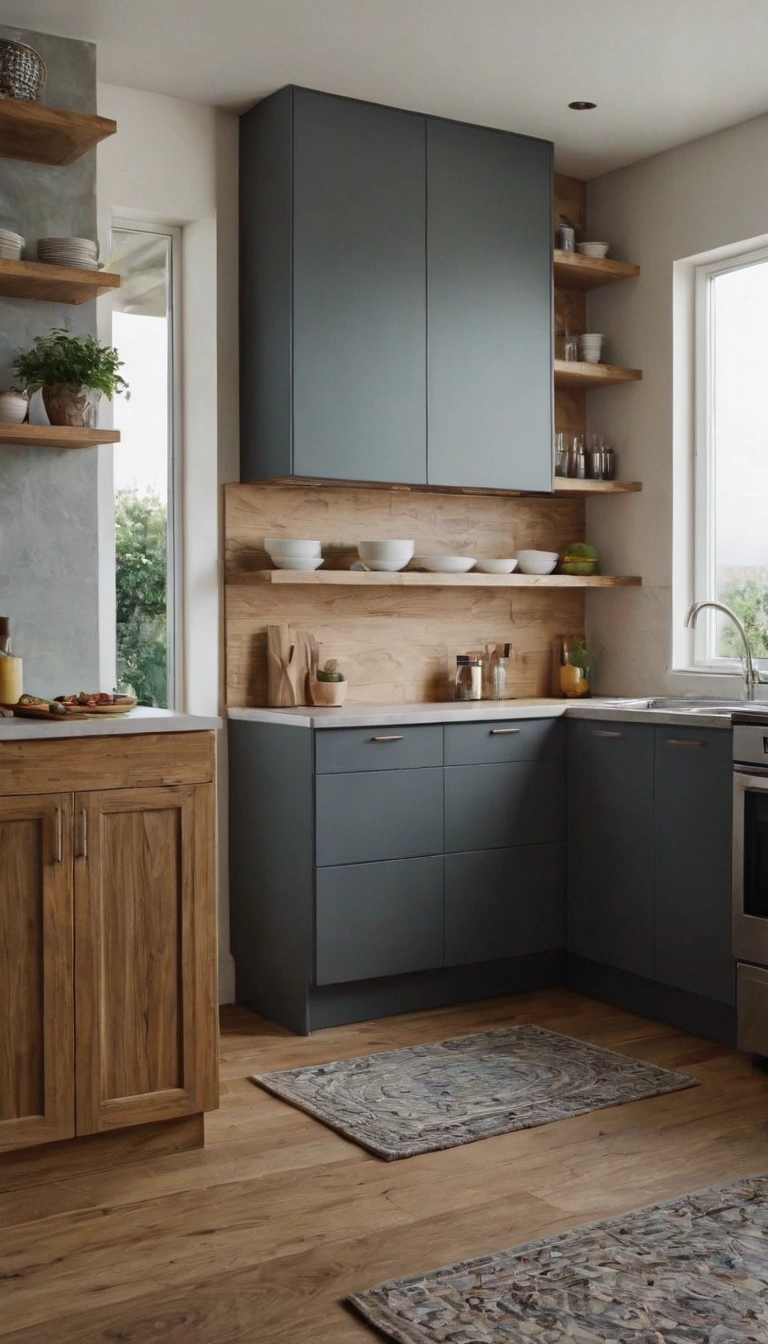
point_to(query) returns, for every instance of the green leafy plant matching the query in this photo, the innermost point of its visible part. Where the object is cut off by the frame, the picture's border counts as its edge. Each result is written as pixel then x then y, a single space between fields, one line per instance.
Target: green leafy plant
pixel 141 568
pixel 80 361
pixel 330 671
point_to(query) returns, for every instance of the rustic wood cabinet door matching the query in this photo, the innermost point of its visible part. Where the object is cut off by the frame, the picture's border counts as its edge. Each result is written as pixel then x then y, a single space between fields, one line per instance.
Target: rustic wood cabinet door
pixel 37 1091
pixel 145 955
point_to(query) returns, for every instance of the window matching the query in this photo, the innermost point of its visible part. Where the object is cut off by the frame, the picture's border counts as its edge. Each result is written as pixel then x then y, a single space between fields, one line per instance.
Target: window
pixel 731 470
pixel 146 482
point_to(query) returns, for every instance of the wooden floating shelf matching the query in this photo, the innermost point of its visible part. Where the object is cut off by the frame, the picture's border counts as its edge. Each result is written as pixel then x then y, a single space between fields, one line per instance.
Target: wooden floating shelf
pixel 573 271
pixel 56 436
pixel 415 579
pixel 34 133
pixel 573 373
pixel 53 284
pixel 568 485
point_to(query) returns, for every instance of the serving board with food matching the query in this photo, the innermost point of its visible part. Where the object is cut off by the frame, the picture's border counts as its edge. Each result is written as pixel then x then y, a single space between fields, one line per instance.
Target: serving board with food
pixel 82 705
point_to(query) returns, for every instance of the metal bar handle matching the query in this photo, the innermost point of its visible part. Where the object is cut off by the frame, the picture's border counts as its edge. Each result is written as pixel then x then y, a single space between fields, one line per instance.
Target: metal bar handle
pixel 83 833
pixel 603 732
pixel 59 854
pixel 502 732
pixel 685 742
pixel 389 737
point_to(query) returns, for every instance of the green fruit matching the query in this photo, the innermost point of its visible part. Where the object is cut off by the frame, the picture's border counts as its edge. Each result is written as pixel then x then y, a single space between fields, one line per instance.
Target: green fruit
pixel 580 559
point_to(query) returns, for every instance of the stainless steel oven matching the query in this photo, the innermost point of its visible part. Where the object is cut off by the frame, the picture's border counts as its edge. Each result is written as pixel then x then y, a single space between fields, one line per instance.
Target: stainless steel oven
pixel 750 879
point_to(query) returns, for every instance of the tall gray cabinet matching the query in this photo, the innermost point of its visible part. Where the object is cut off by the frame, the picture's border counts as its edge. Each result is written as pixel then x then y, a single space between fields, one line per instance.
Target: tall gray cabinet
pixel 396 297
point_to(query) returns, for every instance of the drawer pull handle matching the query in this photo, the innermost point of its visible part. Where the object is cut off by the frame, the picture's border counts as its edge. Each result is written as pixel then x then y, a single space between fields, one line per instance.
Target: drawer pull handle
pixel 684 742
pixel 84 833
pixel 603 732
pixel 59 836
pixel 502 732
pixel 389 737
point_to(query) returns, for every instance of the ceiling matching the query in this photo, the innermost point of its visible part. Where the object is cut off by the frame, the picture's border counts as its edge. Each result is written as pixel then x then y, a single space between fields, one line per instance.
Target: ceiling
pixel 661 71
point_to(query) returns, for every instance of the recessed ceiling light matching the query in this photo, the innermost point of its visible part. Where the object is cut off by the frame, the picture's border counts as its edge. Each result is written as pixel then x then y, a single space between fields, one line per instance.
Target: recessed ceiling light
pixel 582 106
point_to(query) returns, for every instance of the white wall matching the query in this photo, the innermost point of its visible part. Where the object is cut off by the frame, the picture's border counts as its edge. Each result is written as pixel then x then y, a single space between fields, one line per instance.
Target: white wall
pixel 706 195
pixel 176 162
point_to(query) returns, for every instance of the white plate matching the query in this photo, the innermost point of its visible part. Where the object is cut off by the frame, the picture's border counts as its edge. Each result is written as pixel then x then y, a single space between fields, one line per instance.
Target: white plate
pixel 446 564
pixel 496 566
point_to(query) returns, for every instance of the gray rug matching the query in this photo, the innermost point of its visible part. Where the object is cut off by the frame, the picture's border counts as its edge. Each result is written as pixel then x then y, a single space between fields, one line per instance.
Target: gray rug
pixel 694 1271
pixel 403 1102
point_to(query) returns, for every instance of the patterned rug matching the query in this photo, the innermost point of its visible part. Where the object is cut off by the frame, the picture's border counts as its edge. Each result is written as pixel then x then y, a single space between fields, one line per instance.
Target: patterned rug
pixel 694 1271
pixel 403 1102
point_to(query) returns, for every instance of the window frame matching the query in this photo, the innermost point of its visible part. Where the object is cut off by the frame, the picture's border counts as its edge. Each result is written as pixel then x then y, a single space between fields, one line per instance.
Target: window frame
pixel 703 657
pixel 174 553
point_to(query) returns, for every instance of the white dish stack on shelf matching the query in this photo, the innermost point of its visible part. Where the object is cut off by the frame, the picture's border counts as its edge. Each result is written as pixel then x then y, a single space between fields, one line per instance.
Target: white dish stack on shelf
pixel 288 553
pixel 10 245
pixel 82 253
pixel 386 557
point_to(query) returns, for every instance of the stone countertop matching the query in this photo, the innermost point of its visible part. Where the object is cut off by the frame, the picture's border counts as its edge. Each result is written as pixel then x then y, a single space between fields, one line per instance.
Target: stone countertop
pixel 379 716
pixel 140 720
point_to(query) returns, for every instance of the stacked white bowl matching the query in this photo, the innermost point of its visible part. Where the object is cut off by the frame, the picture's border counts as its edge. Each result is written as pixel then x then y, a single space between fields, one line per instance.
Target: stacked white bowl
pixel 595 250
pixel 591 346
pixel 537 562
pixel 82 253
pixel 386 556
pixel 10 245
pixel 288 553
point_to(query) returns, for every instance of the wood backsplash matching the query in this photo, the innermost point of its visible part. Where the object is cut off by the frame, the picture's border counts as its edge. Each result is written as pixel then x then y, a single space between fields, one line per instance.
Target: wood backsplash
pixel 396 645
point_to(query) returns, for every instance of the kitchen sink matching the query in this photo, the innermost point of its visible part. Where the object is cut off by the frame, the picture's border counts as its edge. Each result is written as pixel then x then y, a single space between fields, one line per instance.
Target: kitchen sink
pixel 690 705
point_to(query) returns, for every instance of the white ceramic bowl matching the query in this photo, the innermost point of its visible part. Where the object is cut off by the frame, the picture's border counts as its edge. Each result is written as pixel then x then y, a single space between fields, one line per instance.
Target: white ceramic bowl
pixel 305 563
pixel 386 556
pixel 593 249
pixel 496 566
pixel 537 562
pixel 291 548
pixel 13 408
pixel 446 564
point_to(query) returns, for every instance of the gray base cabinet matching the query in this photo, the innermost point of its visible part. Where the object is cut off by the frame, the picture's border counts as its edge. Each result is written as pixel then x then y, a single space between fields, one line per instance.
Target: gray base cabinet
pixel 504 903
pixel 375 919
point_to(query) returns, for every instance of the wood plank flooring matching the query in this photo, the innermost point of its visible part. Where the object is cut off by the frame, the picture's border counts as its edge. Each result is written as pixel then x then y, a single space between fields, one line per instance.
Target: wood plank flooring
pixel 259 1236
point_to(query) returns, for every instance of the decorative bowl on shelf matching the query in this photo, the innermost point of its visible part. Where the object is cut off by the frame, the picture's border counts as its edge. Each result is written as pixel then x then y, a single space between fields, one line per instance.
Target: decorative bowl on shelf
pixel 446 564
pixel 537 562
pixel 291 547
pixel 386 556
pixel 595 250
pixel 496 566
pixel 13 408
pixel 305 564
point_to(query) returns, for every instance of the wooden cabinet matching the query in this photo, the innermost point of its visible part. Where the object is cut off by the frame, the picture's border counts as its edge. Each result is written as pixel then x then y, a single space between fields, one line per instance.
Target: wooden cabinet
pixel 37 1083
pixel 107 938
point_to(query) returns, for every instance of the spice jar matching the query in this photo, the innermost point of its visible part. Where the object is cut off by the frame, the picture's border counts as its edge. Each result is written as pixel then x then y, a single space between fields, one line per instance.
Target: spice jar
pixel 572 667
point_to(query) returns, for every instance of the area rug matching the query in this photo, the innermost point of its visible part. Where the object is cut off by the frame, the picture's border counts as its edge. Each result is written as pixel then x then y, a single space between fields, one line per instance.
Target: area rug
pixel 425 1097
pixel 693 1271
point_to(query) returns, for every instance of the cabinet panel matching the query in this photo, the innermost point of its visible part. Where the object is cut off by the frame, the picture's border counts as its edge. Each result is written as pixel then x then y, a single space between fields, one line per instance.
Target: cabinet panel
pixel 398 747
pixel 497 806
pixel 610 843
pixel 376 919
pixel 504 903
pixel 145 955
pixel 386 814
pixel 510 740
pixel 693 818
pixel 489 275
pixel 359 291
pixel 37 1092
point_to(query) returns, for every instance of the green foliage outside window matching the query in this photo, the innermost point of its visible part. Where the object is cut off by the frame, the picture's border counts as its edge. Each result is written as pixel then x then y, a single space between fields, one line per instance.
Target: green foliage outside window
pixel 142 636
pixel 746 591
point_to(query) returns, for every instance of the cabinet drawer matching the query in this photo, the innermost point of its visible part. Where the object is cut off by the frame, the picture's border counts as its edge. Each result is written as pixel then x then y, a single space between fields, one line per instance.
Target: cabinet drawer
pixel 377 919
pixel 385 814
pixel 402 747
pixel 497 806
pixel 504 903
pixel 504 740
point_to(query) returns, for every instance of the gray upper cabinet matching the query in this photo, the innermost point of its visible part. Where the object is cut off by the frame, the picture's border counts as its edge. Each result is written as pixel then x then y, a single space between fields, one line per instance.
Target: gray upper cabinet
pixel 489 285
pixel 692 929
pixel 396 297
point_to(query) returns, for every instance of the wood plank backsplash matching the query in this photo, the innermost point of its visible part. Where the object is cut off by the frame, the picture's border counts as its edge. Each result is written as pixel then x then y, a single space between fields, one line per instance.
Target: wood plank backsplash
pixel 396 645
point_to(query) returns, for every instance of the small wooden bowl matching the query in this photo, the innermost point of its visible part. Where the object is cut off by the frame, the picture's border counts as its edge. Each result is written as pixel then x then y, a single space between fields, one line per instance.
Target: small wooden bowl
pixel 328 692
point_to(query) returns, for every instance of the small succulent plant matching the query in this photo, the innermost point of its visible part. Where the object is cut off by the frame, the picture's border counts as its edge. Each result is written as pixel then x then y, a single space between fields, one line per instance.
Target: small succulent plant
pixel 330 671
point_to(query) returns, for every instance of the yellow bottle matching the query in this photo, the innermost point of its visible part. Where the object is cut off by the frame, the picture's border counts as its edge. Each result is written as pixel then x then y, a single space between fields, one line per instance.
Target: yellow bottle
pixel 11 668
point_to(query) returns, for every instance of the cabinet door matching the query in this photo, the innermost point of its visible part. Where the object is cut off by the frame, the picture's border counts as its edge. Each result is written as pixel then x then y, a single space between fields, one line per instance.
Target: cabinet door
pixel 610 844
pixel 375 919
pixel 37 1076
pixel 497 806
pixel 693 819
pixel 382 814
pixel 359 291
pixel 489 284
pixel 504 903
pixel 145 955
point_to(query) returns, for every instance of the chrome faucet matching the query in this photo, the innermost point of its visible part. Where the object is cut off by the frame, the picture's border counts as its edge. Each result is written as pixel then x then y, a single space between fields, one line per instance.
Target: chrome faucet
pixel 751 674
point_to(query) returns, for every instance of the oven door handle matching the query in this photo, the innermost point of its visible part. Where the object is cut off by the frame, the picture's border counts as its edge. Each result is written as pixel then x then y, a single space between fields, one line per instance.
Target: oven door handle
pixel 758 773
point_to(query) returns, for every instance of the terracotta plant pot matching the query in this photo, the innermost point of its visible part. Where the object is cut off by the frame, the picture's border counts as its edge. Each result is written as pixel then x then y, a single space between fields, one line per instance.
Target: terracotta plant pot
pixel 69 404
pixel 328 692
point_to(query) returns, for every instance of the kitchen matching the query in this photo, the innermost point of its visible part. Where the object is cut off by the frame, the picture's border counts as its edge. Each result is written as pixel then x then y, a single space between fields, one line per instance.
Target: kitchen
pixel 405 867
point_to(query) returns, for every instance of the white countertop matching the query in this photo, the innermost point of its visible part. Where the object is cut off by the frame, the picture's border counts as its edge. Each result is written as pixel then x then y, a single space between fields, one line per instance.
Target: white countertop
pixel 140 720
pixel 363 716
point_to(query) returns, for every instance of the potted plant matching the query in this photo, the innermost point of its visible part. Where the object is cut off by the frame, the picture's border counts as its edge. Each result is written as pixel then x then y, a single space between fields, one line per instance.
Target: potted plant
pixel 329 686
pixel 73 372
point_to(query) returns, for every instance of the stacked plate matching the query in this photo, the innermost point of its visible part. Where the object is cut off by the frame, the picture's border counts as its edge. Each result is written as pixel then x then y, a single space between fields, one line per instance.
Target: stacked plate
pixel 10 244
pixel 290 553
pixel 81 253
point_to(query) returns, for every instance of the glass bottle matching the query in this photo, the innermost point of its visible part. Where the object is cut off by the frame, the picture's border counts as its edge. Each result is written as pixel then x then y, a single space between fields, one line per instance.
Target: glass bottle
pixel 463 682
pixel 500 675
pixel 573 669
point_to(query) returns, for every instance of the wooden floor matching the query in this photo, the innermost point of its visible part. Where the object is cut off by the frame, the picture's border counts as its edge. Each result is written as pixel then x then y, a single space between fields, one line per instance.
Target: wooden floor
pixel 259 1237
